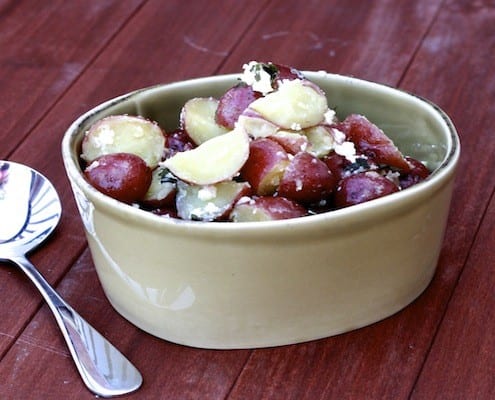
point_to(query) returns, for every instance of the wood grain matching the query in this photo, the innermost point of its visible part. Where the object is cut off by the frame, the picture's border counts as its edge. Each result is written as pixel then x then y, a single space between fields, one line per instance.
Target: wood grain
pixel 60 60
pixel 44 48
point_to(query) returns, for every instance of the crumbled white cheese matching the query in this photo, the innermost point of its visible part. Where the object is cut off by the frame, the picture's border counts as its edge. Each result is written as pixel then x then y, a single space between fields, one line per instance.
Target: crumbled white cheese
pixel 347 150
pixel 93 165
pixel 338 136
pixel 329 116
pixel 105 135
pixel 138 132
pixel 393 176
pixel 245 200
pixel 207 193
pixel 255 76
pixel 295 126
pixel 299 185
pixel 343 147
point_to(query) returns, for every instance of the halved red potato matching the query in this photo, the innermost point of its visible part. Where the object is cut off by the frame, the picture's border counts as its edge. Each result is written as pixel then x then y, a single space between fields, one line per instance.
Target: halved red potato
pixel 307 180
pixel 265 166
pixel 124 134
pixel 198 119
pixel 297 104
pixel 266 208
pixel 215 160
pixel 361 187
pixel 211 202
pixel 122 176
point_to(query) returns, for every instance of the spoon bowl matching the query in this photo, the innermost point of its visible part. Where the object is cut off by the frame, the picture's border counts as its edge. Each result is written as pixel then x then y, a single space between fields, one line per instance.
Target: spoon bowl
pixel 30 210
pixel 27 227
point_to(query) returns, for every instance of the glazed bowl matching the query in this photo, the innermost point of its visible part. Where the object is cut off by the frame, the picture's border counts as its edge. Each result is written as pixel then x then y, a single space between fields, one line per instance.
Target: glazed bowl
pixel 258 284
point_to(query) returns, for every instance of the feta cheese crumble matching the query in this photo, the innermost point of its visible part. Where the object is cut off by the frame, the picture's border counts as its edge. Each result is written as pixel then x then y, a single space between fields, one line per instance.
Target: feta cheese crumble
pixel 257 77
pixel 343 147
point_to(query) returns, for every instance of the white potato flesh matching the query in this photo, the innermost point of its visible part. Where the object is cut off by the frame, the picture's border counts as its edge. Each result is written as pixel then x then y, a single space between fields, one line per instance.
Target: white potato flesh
pixel 124 134
pixel 256 126
pixel 160 187
pixel 321 140
pixel 198 119
pixel 215 160
pixel 247 212
pixel 295 105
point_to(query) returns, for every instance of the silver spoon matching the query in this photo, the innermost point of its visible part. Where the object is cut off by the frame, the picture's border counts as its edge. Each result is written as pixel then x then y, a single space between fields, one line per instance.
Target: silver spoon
pixel 29 211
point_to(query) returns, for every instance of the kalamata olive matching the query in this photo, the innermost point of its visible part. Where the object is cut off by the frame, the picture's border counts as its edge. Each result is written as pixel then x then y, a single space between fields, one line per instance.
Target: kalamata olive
pixel 122 176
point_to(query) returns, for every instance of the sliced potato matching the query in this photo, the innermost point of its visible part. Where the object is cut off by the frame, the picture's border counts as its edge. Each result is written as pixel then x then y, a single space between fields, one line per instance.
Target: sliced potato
pixel 124 134
pixel 215 160
pixel 198 119
pixel 295 105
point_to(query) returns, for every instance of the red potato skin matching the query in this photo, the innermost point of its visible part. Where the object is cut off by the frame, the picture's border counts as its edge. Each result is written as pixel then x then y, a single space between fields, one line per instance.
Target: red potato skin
pixel 280 207
pixel 233 102
pixel 245 191
pixel 265 156
pixel 286 72
pixel 177 141
pixel 307 180
pixel 336 164
pixel 362 187
pixel 372 142
pixel 122 176
pixel 166 202
pixel 291 145
pixel 418 173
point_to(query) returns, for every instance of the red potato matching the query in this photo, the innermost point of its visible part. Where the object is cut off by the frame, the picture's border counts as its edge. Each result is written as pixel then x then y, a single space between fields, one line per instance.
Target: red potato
pixel 418 173
pixel 286 72
pixel 320 140
pixel 122 176
pixel 215 160
pixel 177 141
pixel 292 142
pixel 162 190
pixel 124 134
pixel 256 125
pixel 198 119
pixel 341 167
pixel 209 203
pixel 307 180
pixel 295 105
pixel 371 141
pixel 336 164
pixel 233 102
pixel 361 187
pixel 265 165
pixel 266 209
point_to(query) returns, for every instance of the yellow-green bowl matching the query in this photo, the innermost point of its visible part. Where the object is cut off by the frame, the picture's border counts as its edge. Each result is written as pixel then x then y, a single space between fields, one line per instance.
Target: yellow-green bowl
pixel 257 284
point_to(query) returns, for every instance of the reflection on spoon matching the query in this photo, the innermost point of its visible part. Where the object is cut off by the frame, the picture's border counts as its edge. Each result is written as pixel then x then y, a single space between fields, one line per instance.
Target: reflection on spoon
pixel 29 211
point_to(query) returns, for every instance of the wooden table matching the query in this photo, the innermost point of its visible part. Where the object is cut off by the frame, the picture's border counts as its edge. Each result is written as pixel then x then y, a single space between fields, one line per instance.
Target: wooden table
pixel 61 58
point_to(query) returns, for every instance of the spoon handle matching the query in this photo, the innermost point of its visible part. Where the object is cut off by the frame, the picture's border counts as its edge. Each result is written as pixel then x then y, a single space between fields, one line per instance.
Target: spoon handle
pixel 105 371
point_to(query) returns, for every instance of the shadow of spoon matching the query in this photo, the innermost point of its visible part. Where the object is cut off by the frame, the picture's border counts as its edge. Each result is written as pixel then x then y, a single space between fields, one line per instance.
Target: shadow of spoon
pixel 30 210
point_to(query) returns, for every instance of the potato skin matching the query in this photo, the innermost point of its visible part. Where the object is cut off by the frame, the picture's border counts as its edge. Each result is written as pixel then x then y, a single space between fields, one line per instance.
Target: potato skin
pixel 363 187
pixel 122 176
pixel 307 180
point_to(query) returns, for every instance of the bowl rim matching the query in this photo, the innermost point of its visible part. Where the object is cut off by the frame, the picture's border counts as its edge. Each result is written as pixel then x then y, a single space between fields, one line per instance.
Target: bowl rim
pixel 386 204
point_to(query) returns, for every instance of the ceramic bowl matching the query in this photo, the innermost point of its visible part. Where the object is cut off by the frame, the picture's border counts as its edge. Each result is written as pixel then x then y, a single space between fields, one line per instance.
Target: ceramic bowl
pixel 258 284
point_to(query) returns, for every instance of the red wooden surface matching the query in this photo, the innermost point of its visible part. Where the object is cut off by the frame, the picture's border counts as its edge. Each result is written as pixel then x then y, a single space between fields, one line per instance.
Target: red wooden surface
pixel 61 58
